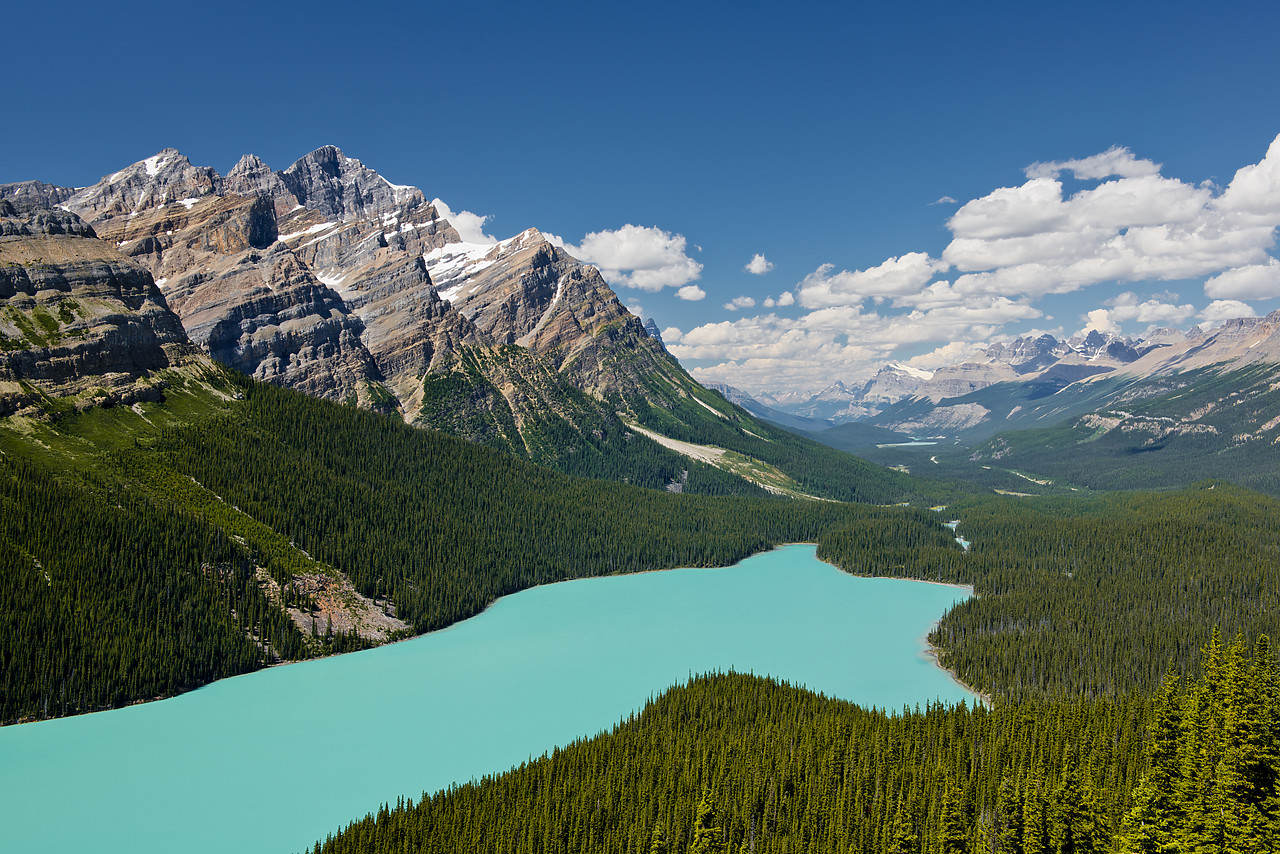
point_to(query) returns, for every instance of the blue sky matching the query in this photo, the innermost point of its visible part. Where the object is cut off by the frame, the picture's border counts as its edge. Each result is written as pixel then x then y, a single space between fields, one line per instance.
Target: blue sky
pixel 819 136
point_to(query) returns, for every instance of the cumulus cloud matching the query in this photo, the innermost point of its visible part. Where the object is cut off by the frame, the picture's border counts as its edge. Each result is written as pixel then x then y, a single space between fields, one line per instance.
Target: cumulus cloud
pixel 470 226
pixel 1225 309
pixel 943 200
pixel 787 298
pixel 641 257
pixel 1114 161
pixel 1129 306
pixel 1031 241
pixel 896 277
pixel 767 351
pixel 1255 189
pixel 692 293
pixel 739 303
pixel 758 265
pixel 1257 281
pixel 952 353
pixel 1100 320
pixel 672 335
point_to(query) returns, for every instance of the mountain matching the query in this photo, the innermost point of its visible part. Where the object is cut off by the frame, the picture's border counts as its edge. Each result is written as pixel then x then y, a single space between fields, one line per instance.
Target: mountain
pixel 827 403
pixel 741 399
pixel 329 279
pixel 891 397
pixel 1059 379
pixel 910 400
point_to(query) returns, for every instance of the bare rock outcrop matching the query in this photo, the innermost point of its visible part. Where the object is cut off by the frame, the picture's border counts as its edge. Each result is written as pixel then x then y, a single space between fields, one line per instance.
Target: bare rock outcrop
pixel 78 319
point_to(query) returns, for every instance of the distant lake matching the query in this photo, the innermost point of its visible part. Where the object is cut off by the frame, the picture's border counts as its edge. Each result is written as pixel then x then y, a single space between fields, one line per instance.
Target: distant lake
pixel 274 760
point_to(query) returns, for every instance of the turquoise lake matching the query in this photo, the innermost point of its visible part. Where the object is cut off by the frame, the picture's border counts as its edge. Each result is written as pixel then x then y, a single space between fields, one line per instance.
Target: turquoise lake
pixel 273 761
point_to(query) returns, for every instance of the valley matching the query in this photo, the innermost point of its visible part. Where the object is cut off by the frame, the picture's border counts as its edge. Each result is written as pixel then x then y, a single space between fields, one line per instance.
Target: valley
pixel 259 418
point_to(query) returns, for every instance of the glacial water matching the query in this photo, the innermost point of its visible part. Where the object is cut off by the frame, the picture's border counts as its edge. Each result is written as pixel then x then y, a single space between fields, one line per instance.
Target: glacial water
pixel 273 761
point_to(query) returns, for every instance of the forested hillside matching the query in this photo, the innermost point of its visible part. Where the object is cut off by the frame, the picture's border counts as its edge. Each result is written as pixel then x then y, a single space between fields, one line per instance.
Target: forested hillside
pixel 738 763
pixel 1163 432
pixel 444 527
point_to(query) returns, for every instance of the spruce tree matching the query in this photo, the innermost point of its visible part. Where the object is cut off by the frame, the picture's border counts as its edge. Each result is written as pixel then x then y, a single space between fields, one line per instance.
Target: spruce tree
pixel 708 836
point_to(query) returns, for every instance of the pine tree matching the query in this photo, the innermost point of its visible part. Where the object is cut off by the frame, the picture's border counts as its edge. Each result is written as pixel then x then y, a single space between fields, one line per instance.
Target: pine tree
pixel 902 832
pixel 1035 825
pixel 658 841
pixel 954 831
pixel 708 837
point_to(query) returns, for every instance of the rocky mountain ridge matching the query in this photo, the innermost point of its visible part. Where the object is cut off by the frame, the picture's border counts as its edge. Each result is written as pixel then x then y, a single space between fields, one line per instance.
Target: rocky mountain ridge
pixel 1093 375
pixel 327 278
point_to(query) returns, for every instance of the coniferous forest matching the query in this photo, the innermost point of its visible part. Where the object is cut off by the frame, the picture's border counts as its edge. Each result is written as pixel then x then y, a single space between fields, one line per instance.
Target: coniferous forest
pixel 1117 720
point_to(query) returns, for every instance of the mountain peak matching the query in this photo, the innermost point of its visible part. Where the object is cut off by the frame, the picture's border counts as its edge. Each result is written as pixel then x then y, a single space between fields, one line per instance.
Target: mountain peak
pixel 252 177
pixel 249 164
pixel 899 367
pixel 153 182
pixel 341 187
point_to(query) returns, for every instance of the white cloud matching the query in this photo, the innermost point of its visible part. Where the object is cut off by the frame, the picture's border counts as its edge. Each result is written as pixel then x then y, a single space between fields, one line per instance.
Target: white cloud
pixel 1113 161
pixel 758 265
pixel 1034 207
pixel 1100 320
pixel 739 303
pixel 1225 309
pixel 1127 307
pixel 1030 241
pixel 786 298
pixel 767 351
pixel 692 293
pixel 641 257
pixel 672 335
pixel 895 277
pixel 1257 281
pixel 952 353
pixel 1255 189
pixel 470 226
pixel 943 200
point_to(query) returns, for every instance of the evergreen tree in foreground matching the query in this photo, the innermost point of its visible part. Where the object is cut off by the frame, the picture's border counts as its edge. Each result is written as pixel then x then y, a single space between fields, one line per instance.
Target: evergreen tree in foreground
pixel 1214 755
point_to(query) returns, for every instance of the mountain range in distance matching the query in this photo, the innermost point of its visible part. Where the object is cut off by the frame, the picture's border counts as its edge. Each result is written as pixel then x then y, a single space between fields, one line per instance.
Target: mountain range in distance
pixel 1043 361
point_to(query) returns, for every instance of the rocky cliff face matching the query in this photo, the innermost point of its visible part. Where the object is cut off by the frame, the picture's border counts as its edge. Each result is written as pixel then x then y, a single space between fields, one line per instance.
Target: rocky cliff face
pixel 30 196
pixel 343 188
pixel 78 320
